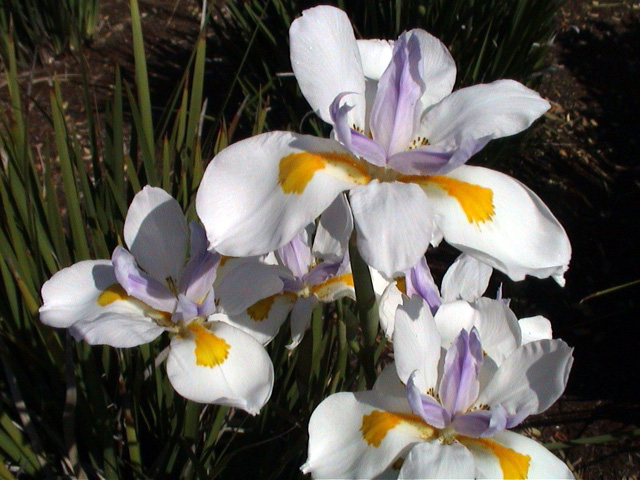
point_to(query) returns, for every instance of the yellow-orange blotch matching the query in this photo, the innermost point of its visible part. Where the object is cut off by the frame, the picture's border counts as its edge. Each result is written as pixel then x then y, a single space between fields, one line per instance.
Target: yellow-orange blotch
pixel 376 425
pixel 513 464
pixel 111 294
pixel 210 350
pixel 323 290
pixel 476 201
pixel 297 169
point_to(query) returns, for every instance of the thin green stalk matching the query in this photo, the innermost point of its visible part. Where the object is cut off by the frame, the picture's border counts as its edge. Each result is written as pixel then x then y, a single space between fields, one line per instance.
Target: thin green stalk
pixel 366 301
pixel 144 96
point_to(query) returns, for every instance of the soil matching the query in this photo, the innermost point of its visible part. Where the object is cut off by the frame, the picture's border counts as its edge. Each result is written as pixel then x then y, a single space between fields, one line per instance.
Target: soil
pixel 582 161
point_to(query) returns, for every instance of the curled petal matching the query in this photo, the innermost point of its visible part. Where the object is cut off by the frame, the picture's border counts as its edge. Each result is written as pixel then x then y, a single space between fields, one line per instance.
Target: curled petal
pixel 208 364
pixel 420 282
pixel 356 142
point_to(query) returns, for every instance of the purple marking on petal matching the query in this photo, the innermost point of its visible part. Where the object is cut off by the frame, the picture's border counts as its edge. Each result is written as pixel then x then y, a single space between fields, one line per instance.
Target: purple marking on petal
pixel 393 115
pixel 296 255
pixel 339 115
pixel 186 310
pixel 198 275
pixel 436 159
pixel 321 272
pixel 459 386
pixel 425 406
pixel 518 418
pixel 357 143
pixel 140 285
pixel 419 281
pixel 198 242
pixel 481 423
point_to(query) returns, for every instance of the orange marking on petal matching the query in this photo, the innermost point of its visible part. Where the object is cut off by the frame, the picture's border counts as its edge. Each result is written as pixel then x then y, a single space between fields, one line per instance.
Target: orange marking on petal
pixel 376 425
pixel 476 201
pixel 297 169
pixel 260 310
pixel 210 350
pixel 401 283
pixel 111 294
pixel 324 289
pixel 513 464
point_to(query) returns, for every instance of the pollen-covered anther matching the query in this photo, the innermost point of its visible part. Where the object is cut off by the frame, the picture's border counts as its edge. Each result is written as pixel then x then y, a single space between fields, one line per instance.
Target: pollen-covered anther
pixel 418 142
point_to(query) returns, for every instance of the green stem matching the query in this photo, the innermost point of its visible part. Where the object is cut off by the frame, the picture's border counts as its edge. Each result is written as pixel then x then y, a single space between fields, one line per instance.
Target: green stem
pixel 367 311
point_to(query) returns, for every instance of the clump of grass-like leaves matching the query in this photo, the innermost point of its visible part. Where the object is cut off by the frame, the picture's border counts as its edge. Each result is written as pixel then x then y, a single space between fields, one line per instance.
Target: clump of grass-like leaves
pixel 49 25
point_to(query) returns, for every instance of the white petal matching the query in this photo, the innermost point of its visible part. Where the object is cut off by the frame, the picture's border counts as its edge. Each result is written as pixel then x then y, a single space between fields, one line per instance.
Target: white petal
pixel 498 328
pixel 531 378
pixel 156 233
pixel 451 318
pixel 123 326
pixel 334 230
pixel 375 56
pixel 326 60
pixel 387 306
pixel 243 283
pixel 263 319
pixel 499 221
pixel 438 460
pixel 393 223
pixel 437 69
pixel 535 328
pixel 416 343
pixel 388 383
pixel 257 194
pixel 466 279
pixel 72 293
pixel 301 319
pixel 337 431
pixel 540 464
pixel 494 110
pixel 222 365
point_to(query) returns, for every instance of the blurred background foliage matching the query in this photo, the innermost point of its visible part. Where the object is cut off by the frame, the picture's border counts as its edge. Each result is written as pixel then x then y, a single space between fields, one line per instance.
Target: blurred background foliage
pixel 68 409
